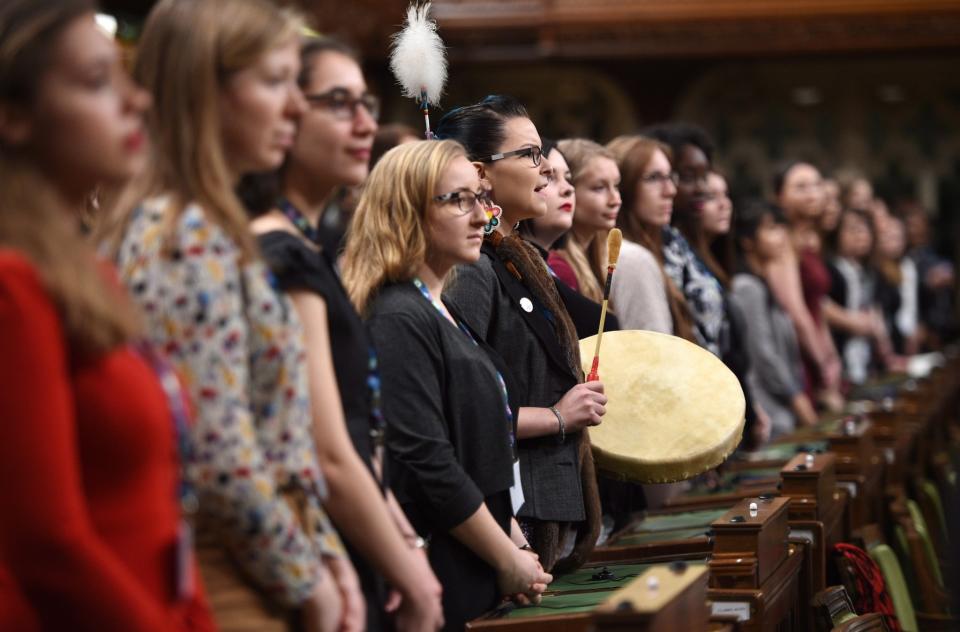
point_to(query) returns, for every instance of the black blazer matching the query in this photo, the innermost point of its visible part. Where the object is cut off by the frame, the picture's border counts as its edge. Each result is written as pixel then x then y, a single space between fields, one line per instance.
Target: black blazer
pixel 492 302
pixel 448 438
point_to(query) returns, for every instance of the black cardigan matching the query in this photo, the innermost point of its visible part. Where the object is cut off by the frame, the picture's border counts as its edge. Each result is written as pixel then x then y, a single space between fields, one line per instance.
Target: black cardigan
pixel 491 300
pixel 448 436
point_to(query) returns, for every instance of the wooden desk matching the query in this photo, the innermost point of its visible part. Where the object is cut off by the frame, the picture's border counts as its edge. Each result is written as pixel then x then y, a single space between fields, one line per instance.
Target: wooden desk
pixel 613 598
pixel 755 571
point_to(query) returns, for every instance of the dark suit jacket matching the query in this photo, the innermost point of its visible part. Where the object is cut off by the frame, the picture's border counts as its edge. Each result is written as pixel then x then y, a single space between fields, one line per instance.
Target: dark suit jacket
pixel 490 300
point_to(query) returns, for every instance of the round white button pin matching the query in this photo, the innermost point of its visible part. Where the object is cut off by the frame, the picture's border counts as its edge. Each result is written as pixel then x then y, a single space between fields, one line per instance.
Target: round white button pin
pixel 526 304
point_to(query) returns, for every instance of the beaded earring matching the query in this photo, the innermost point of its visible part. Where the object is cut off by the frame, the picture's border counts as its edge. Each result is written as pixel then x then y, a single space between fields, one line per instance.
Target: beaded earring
pixel 493 218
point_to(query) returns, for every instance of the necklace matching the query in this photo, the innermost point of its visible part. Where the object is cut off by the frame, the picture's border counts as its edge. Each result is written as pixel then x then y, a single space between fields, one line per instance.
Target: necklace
pixel 299 220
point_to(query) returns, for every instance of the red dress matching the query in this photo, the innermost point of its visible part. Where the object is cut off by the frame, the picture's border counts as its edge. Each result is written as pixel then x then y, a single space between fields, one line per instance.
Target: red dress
pixel 89 468
pixel 564 271
pixel 815 281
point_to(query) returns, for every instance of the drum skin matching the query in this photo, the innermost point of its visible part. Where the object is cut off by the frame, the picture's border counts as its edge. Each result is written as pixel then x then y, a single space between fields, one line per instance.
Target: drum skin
pixel 674 410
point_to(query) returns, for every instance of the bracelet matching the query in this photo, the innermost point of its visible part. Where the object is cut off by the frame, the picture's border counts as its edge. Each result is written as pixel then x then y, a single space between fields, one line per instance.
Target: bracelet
pixel 415 541
pixel 561 433
pixel 418 543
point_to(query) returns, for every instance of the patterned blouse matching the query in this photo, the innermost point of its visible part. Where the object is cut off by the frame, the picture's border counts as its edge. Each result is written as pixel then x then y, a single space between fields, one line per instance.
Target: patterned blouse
pixel 238 346
pixel 702 291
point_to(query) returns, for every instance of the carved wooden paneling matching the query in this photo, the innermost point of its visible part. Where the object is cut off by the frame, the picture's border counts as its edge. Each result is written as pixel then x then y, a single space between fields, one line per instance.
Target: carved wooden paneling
pixel 485 30
pixel 471 13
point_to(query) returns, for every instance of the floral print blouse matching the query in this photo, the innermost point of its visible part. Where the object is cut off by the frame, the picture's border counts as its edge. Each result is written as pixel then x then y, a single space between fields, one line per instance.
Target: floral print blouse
pixel 238 346
pixel 700 288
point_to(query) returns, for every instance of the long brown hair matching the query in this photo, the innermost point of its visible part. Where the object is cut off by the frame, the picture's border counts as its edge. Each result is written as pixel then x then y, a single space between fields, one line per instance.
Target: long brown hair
pixel 188 51
pixel 387 242
pixel 633 154
pixel 34 218
pixel 590 263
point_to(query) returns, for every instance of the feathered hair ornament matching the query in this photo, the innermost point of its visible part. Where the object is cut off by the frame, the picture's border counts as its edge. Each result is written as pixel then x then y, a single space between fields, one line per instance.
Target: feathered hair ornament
pixel 418 60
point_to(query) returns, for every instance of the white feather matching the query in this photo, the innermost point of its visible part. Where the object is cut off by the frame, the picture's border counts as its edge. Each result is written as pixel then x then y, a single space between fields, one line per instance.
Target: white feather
pixel 418 59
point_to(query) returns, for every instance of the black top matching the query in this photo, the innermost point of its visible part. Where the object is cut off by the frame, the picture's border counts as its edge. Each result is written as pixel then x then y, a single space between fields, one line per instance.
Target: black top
pixel 491 299
pixel 297 266
pixel 584 313
pixel 448 435
pixel 448 438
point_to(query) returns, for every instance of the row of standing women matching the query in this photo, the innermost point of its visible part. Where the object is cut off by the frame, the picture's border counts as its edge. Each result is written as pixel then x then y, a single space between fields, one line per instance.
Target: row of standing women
pixel 438 419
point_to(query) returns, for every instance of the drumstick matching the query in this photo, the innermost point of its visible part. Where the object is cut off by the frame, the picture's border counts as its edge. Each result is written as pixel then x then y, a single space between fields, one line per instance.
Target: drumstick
pixel 614 239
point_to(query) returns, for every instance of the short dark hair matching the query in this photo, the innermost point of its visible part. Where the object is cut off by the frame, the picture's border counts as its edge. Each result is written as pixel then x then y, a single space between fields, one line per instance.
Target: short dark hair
pixel 750 215
pixel 479 127
pixel 678 135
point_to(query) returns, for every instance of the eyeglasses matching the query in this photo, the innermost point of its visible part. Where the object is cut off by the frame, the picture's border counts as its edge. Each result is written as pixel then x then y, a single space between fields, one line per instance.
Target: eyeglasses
pixel 466 200
pixel 343 106
pixel 659 178
pixel 535 154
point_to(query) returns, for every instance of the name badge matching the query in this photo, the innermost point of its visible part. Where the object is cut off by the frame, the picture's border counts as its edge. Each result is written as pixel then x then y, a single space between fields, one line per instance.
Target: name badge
pixel 516 490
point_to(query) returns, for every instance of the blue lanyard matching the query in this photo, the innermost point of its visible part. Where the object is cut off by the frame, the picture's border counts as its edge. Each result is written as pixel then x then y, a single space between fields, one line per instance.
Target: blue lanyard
pixel 180 413
pixel 503 386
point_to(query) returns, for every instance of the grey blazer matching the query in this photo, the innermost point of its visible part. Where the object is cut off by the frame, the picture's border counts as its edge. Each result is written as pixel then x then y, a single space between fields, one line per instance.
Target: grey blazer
pixel 491 301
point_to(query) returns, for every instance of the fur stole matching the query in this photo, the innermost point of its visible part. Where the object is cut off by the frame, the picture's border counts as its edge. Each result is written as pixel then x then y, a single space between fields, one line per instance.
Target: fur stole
pixel 523 261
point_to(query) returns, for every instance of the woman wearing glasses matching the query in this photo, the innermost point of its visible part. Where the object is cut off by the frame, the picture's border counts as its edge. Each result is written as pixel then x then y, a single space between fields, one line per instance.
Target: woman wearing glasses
pixel 332 149
pixel 641 294
pixel 511 301
pixel 450 433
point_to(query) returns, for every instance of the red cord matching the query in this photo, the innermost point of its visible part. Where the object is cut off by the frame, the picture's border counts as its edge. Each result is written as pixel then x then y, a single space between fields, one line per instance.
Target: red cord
pixel 870 585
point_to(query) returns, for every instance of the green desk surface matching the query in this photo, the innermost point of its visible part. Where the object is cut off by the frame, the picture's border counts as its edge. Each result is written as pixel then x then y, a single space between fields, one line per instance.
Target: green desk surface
pixel 566 594
pixel 731 481
pixel 560 604
pixel 638 539
pixel 785 451
pixel 582 579
pixel 674 521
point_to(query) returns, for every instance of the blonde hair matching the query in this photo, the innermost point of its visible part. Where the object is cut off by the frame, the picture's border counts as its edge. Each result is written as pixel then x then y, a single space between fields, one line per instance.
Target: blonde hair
pixel 589 263
pixel 34 219
pixel 633 154
pixel 188 51
pixel 387 242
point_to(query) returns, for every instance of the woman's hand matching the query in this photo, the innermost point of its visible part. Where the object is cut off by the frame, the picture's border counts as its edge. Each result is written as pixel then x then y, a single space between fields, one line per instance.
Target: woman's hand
pixel 354 606
pixel 804 410
pixel 582 406
pixel 762 425
pixel 323 611
pixel 525 599
pixel 420 610
pixel 522 575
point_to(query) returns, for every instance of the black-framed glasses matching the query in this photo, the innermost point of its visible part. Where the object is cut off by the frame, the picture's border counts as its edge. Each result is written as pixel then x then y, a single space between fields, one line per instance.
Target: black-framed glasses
pixel 343 106
pixel 534 152
pixel 659 178
pixel 466 200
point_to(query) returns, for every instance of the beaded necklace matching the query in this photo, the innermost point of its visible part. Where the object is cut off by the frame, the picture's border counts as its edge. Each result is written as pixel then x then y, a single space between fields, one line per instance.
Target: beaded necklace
pixel 292 213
